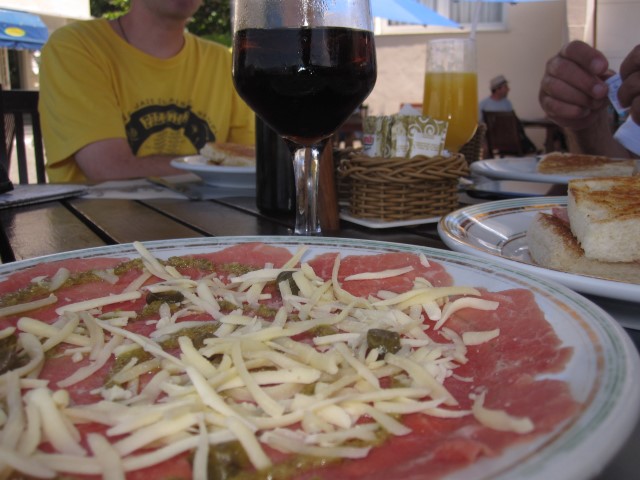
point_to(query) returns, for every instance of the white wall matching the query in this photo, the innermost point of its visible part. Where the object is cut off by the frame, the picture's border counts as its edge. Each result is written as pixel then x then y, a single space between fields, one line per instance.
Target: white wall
pixel 617 28
pixel 59 8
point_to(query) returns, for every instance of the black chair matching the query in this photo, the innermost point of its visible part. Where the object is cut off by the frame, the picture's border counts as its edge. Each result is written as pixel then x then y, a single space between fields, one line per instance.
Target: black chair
pixel 18 109
pixel 506 136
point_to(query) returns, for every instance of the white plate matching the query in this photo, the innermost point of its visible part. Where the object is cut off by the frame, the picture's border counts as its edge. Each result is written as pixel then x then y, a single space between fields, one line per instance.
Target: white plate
pixel 497 230
pixel 602 372
pixel 516 168
pixel 217 175
pixel 373 223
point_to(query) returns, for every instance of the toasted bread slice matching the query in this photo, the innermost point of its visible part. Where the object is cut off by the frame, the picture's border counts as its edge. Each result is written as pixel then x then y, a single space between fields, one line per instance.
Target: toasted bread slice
pixel 552 245
pixel 229 154
pixel 585 165
pixel 604 214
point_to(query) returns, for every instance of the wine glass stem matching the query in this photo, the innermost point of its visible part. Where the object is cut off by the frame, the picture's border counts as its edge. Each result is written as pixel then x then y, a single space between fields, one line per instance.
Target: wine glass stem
pixel 306 167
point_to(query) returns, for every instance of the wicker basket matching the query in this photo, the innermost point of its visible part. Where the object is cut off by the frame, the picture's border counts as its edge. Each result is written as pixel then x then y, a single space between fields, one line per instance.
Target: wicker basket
pixel 341 159
pixel 402 188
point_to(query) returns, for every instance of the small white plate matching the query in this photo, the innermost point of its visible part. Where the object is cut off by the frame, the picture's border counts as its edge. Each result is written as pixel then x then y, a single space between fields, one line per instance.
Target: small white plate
pixel 374 223
pixel 216 175
pixel 516 168
pixel 497 230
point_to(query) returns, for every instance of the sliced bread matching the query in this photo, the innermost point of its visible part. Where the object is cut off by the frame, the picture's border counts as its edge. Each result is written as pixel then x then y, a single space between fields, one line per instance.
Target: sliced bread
pixel 552 245
pixel 229 154
pixel 582 165
pixel 604 215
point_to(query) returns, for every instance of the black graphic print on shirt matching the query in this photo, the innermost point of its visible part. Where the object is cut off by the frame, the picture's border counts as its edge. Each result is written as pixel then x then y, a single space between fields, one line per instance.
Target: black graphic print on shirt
pixel 152 119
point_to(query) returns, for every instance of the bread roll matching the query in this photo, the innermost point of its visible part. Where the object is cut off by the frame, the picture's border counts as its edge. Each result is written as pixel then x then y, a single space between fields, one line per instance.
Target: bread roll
pixel 604 216
pixel 582 165
pixel 552 245
pixel 229 154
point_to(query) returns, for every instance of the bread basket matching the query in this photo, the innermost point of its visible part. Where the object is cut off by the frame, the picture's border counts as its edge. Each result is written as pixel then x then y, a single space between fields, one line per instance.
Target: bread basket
pixel 396 188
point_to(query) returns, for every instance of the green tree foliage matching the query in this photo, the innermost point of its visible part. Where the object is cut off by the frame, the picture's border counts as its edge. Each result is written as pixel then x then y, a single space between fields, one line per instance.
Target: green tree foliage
pixel 212 20
pixel 108 8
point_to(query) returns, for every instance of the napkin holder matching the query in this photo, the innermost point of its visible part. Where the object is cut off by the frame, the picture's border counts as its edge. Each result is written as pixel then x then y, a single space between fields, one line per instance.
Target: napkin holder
pixel 397 188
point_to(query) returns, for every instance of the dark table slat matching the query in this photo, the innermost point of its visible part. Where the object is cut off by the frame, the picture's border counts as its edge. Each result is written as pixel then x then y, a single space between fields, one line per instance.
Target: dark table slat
pixel 394 235
pixel 216 219
pixel 125 221
pixel 45 229
pixel 427 236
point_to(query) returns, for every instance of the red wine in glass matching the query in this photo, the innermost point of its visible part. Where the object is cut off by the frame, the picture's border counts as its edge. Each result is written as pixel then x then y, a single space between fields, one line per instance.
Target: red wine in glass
pixel 304 82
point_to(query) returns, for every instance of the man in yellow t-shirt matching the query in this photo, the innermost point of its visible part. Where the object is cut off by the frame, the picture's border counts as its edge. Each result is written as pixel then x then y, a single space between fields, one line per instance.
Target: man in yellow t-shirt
pixel 119 99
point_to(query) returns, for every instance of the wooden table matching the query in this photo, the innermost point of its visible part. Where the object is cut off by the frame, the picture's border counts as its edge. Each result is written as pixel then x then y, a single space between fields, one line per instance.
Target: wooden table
pixel 79 223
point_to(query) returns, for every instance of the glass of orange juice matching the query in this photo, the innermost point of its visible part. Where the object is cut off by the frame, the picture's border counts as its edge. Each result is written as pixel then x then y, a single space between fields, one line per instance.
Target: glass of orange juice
pixel 451 88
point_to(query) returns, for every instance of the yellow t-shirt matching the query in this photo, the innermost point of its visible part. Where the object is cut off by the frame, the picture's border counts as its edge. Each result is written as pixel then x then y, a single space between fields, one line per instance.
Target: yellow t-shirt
pixel 95 86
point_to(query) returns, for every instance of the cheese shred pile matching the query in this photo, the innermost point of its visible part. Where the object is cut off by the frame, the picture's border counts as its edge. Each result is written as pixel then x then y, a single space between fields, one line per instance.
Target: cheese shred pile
pixel 304 381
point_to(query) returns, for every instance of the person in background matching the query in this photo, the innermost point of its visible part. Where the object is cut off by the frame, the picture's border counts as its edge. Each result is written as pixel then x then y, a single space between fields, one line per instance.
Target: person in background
pixel 497 101
pixel 120 98
pixel 574 94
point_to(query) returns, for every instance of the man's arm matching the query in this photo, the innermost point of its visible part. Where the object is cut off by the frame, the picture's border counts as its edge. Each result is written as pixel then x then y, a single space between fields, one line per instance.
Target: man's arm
pixel 573 94
pixel 112 159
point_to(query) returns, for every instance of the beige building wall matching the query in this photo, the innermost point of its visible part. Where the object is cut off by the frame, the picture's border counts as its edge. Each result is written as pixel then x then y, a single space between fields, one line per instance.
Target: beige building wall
pixel 617 28
pixel 533 33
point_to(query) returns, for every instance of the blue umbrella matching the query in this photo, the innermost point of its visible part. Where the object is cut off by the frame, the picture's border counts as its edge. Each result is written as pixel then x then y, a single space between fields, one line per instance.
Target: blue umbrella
pixel 409 11
pixel 22 31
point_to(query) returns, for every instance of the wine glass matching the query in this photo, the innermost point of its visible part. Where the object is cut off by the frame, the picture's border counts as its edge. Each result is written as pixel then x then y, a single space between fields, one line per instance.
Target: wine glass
pixel 304 66
pixel 451 88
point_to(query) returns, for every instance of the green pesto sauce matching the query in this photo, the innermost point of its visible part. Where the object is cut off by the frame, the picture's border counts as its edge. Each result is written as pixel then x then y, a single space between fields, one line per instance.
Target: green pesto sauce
pixel 81 278
pixel 287 276
pixel 10 358
pixel 23 295
pixel 323 330
pixel 227 469
pixel 234 268
pixel 40 290
pixel 35 291
pixel 151 309
pixel 386 341
pixel 227 306
pixel 287 469
pixel 123 360
pixel 226 460
pixel 127 266
pixel 263 311
pixel 191 262
pixel 197 335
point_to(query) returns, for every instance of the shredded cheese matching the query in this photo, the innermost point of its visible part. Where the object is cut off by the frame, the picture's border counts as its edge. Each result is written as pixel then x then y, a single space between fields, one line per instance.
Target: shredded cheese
pixel 251 380
pixel 499 419
pixel 25 307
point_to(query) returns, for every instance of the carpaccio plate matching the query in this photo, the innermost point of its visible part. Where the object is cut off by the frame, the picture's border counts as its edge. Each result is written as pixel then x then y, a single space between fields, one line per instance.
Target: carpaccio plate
pixel 601 373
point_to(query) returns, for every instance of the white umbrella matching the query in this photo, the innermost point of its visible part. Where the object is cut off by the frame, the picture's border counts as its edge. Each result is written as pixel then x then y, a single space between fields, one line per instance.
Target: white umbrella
pixel 409 11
